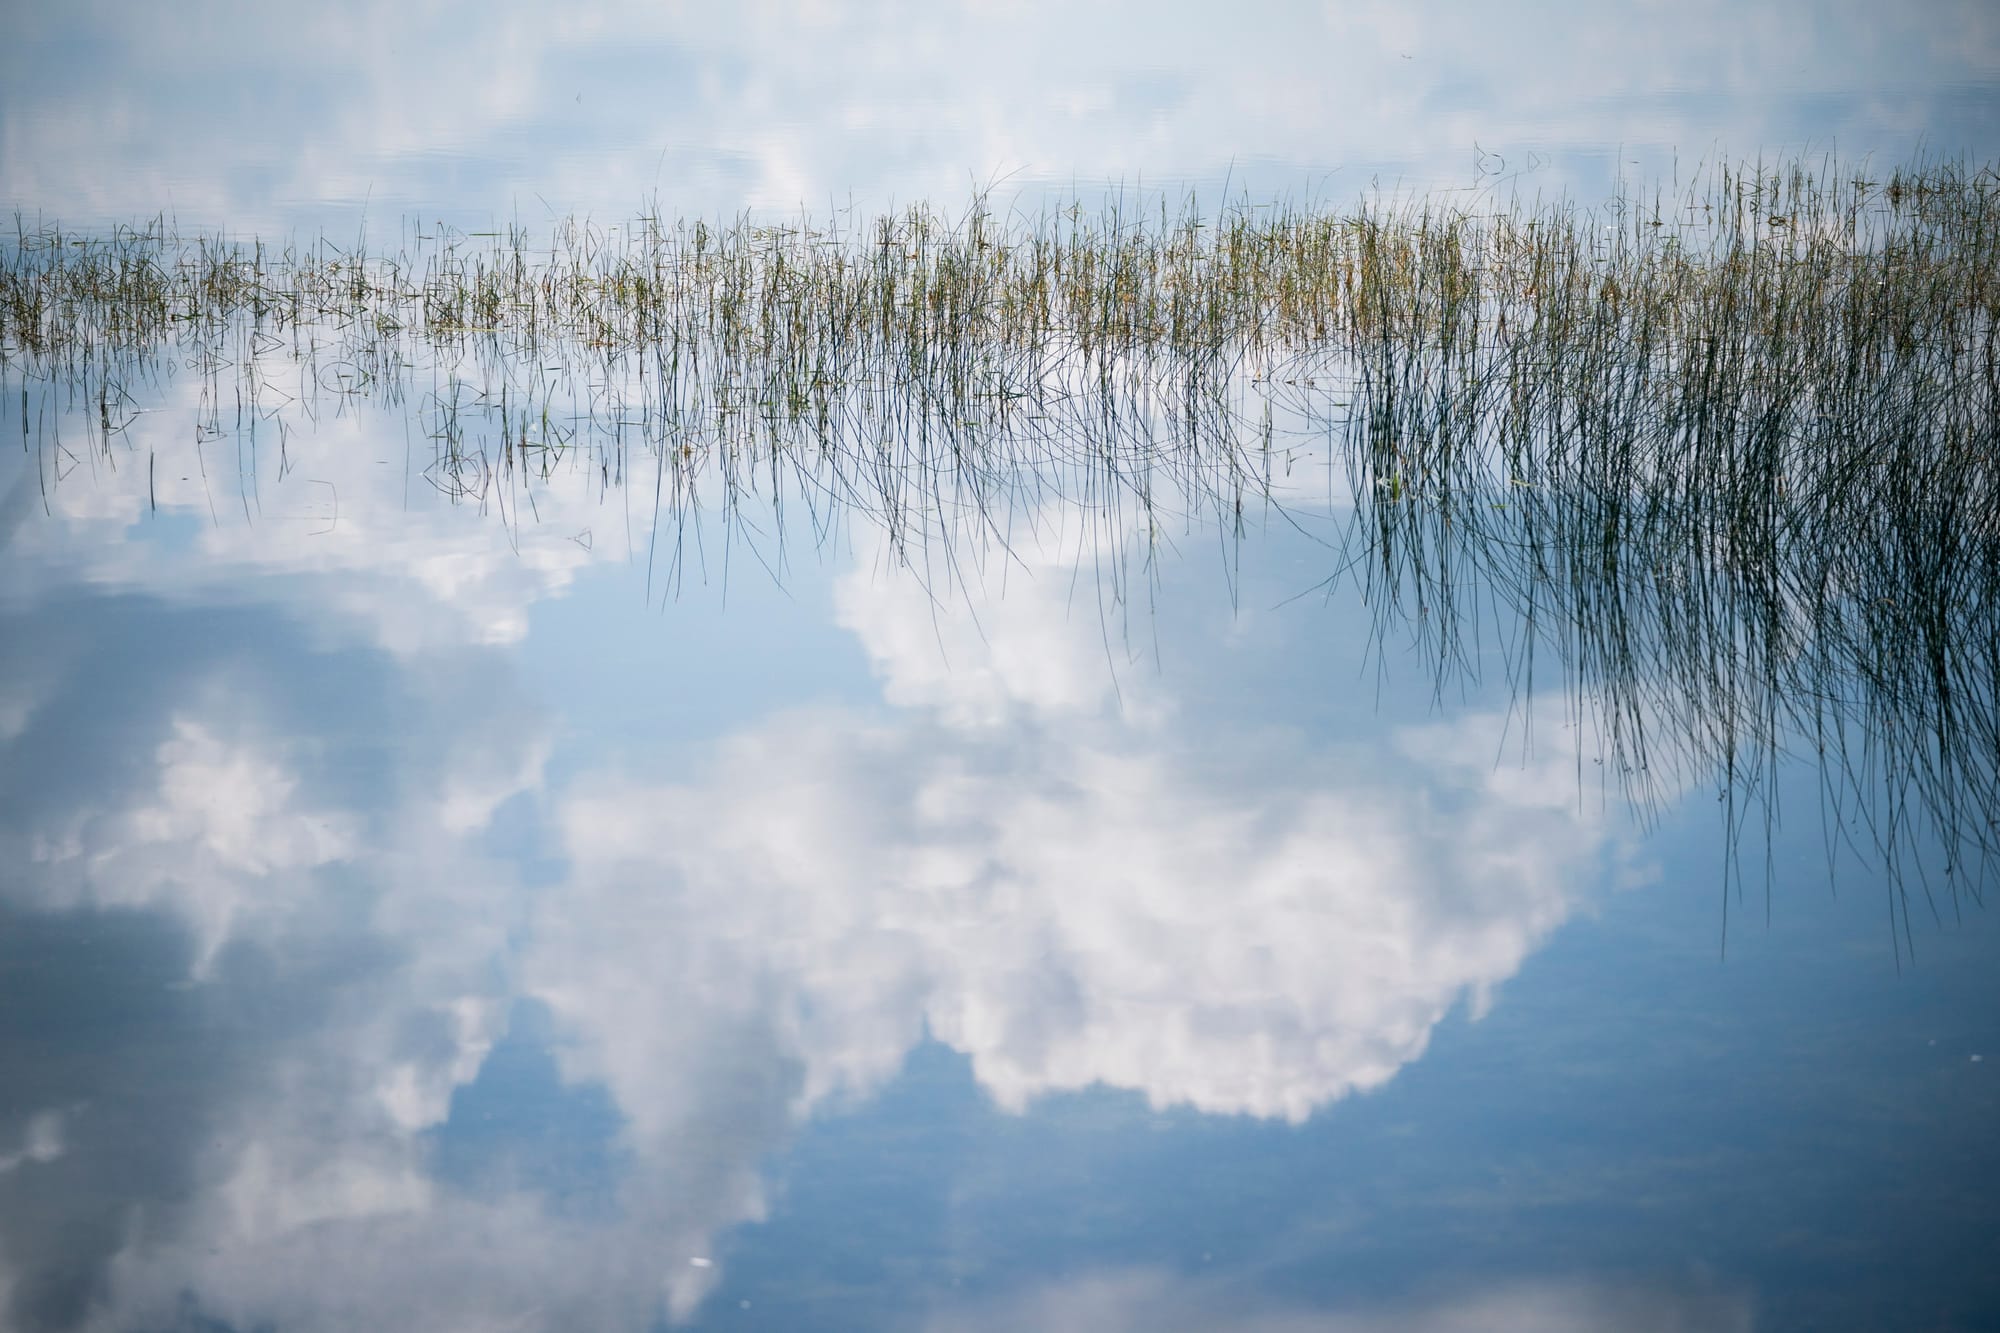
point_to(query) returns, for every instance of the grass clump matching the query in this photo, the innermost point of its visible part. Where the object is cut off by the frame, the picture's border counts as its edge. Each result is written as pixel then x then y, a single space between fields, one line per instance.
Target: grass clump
pixel 1727 448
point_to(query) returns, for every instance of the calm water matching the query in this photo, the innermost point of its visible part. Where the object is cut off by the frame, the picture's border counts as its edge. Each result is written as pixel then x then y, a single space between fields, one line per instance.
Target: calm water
pixel 462 872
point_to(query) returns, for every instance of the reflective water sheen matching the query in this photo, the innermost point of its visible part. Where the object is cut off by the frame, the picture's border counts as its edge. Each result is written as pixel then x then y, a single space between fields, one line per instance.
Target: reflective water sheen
pixel 503 829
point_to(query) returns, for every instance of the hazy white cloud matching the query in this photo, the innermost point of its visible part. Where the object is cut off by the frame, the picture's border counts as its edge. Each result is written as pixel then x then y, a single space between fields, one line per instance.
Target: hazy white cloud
pixel 41 1141
pixel 1017 632
pixel 1067 910
pixel 455 1264
pixel 777 104
pixel 297 826
pixel 219 835
pixel 1085 896
pixel 1074 883
pixel 347 513
pixel 1158 1302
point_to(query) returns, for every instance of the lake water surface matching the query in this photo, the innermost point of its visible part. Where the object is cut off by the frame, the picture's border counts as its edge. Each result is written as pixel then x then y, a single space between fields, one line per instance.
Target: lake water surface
pixel 493 837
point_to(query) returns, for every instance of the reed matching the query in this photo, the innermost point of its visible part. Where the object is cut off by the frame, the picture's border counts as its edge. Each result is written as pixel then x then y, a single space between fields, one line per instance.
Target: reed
pixel 1726 447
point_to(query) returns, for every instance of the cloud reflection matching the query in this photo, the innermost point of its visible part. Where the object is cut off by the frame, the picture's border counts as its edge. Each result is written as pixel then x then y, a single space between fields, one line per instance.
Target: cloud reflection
pixel 1238 924
pixel 360 523
pixel 1073 881
pixel 1163 1303
pixel 257 939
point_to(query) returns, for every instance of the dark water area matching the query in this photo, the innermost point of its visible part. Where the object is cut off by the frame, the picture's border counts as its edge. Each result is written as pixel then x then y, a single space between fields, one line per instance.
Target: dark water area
pixel 1315 721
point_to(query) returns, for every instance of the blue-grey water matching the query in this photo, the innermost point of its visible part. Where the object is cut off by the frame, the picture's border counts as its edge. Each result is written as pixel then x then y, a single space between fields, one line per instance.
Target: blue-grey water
pixel 447 894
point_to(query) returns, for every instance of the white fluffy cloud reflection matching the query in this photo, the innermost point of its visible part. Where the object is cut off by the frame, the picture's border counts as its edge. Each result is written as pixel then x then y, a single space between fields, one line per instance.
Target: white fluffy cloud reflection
pixel 1076 876
pixel 1239 924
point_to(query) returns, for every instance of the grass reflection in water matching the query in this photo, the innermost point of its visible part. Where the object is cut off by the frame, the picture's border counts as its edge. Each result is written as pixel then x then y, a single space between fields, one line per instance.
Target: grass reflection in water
pixel 1726 449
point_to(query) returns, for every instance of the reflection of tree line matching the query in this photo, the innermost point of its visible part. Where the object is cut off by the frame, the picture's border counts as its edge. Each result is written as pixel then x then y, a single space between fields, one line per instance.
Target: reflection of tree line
pixel 1731 451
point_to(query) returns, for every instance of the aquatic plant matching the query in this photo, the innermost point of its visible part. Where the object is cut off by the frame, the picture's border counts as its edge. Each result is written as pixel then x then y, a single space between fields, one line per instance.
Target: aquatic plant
pixel 1725 447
